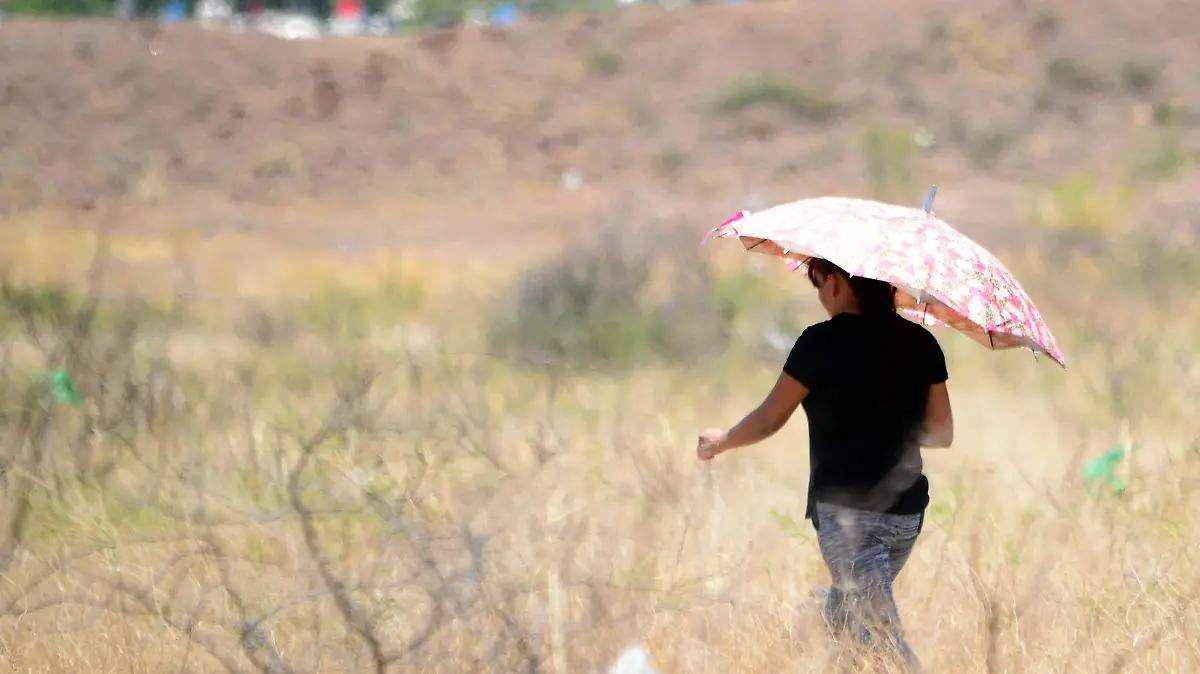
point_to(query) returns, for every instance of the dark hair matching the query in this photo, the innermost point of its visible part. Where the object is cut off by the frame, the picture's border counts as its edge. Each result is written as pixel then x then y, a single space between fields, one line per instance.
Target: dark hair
pixel 875 298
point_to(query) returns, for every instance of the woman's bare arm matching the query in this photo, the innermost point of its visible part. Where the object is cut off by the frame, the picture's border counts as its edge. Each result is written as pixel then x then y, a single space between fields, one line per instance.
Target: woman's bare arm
pixel 770 416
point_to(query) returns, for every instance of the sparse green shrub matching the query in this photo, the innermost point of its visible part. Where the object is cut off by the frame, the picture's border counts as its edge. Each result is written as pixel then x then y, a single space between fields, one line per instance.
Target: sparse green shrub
pixel 604 63
pixel 87 368
pixel 593 306
pixel 264 328
pixel 38 308
pixel 986 148
pixel 1079 203
pixel 767 90
pixel 890 155
pixel 1139 78
pixel 53 316
pixel 1046 24
pixel 671 162
pixel 1158 156
pixel 1070 75
pixel 439 13
pixel 937 33
pixel 697 317
pixel 1168 113
pixel 352 314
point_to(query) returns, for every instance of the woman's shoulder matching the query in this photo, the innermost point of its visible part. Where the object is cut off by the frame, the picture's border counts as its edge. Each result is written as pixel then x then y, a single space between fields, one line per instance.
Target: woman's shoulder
pixel 821 329
pixel 816 338
pixel 918 335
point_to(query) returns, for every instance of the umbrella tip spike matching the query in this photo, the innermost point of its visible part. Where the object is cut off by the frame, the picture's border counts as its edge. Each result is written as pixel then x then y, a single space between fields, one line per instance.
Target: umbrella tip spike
pixel 929 198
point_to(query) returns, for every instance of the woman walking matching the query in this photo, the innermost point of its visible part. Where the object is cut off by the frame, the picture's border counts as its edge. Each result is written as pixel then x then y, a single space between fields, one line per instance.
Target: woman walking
pixel 873 387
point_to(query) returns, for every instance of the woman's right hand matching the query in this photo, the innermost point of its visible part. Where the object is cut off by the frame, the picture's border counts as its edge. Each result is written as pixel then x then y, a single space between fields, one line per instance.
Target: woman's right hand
pixel 710 443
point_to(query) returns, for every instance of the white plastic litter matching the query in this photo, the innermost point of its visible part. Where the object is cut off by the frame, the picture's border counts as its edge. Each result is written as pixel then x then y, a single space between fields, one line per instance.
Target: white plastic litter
pixel 633 660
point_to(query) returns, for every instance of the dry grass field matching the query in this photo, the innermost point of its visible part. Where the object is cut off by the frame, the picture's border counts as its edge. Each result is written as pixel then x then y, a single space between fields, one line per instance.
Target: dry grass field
pixel 447 423
pixel 363 480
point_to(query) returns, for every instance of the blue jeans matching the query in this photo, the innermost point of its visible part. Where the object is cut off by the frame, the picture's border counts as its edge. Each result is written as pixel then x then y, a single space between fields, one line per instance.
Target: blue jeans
pixel 865 552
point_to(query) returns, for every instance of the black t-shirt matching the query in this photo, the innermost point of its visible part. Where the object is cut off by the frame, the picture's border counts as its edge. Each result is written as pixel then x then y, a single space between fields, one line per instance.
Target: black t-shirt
pixel 868 380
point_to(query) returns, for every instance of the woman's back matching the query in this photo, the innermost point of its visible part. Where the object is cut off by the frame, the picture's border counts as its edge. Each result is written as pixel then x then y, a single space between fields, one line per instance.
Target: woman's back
pixel 868 381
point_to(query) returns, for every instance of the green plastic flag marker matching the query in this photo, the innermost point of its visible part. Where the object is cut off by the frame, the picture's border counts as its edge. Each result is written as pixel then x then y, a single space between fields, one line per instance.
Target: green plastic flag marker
pixel 1103 468
pixel 61 385
pixel 65 392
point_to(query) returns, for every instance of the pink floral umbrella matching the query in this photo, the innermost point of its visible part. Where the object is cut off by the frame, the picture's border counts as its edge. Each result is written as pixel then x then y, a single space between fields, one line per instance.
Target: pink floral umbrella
pixel 945 278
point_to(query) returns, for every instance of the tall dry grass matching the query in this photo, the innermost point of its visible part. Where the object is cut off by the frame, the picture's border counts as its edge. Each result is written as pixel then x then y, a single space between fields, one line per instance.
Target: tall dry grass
pixel 362 481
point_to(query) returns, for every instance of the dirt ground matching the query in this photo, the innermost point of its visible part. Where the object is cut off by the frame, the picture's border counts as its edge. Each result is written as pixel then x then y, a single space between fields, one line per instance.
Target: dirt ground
pixel 460 140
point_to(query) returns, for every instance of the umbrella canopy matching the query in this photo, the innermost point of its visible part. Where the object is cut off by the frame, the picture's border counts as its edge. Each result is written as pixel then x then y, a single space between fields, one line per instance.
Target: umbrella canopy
pixel 944 277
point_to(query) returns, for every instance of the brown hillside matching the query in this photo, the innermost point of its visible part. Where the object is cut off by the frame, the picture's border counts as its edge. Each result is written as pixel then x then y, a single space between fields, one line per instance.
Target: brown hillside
pixel 478 125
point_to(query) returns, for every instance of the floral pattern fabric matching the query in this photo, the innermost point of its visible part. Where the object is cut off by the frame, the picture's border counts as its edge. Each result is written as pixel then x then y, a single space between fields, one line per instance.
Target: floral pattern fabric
pixel 944 277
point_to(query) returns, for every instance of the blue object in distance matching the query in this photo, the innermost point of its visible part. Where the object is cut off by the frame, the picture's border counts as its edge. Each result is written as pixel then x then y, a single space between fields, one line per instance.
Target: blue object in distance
pixel 505 14
pixel 173 11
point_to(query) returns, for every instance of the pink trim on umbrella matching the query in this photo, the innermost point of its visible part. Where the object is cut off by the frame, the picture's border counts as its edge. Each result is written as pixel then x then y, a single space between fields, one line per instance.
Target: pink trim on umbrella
pixel 737 216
